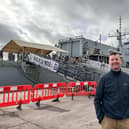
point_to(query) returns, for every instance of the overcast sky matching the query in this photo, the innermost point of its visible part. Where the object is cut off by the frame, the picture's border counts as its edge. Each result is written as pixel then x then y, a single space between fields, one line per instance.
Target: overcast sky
pixel 47 21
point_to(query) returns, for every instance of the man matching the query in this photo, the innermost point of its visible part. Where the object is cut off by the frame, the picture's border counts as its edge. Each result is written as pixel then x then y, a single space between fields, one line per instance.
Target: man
pixel 112 96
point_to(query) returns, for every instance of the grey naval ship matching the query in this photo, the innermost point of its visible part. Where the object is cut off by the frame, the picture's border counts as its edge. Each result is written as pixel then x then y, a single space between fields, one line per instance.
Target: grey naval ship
pixel 93 55
pixel 74 58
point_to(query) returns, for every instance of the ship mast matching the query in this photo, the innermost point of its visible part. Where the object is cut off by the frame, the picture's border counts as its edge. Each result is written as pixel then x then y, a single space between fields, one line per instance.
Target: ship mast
pixel 119 35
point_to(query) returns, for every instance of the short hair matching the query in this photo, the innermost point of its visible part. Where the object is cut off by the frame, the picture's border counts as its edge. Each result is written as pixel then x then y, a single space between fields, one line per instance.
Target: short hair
pixel 114 52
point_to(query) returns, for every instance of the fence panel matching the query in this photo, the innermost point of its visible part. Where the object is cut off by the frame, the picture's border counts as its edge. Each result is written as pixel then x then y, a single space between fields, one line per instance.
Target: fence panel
pixel 13 95
pixel 48 91
pixel 81 88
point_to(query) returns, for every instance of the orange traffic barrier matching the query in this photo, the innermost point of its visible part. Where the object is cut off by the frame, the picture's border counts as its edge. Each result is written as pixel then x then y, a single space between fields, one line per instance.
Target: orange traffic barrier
pixel 14 95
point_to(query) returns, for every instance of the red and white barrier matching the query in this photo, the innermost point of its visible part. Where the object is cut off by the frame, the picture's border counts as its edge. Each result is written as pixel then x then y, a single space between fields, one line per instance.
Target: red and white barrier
pixel 81 88
pixel 23 94
pixel 13 95
pixel 48 91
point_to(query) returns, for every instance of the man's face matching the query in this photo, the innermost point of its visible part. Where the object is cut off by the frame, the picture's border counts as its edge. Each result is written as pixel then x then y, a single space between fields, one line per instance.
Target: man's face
pixel 115 62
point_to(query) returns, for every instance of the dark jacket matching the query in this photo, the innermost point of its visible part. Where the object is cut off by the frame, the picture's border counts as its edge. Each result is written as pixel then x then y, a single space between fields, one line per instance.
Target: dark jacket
pixel 112 96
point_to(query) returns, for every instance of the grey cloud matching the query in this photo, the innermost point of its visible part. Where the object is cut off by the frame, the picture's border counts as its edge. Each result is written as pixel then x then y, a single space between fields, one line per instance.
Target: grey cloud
pixel 41 31
pixel 73 15
pixel 7 33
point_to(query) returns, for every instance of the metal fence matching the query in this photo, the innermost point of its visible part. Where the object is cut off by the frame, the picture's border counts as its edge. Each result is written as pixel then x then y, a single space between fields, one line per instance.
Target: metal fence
pixel 79 72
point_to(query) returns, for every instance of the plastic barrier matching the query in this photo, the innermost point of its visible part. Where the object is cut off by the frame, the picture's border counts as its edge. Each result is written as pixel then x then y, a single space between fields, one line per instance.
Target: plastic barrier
pixel 81 88
pixel 14 95
pixel 48 91
pixel 92 87
pixel 23 94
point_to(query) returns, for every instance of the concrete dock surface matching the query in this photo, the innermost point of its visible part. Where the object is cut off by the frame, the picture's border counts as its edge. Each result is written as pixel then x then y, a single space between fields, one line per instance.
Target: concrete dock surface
pixel 66 114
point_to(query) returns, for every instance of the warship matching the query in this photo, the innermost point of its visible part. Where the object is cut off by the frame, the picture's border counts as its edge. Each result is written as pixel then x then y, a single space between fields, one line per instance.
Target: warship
pixel 75 59
pixel 96 53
